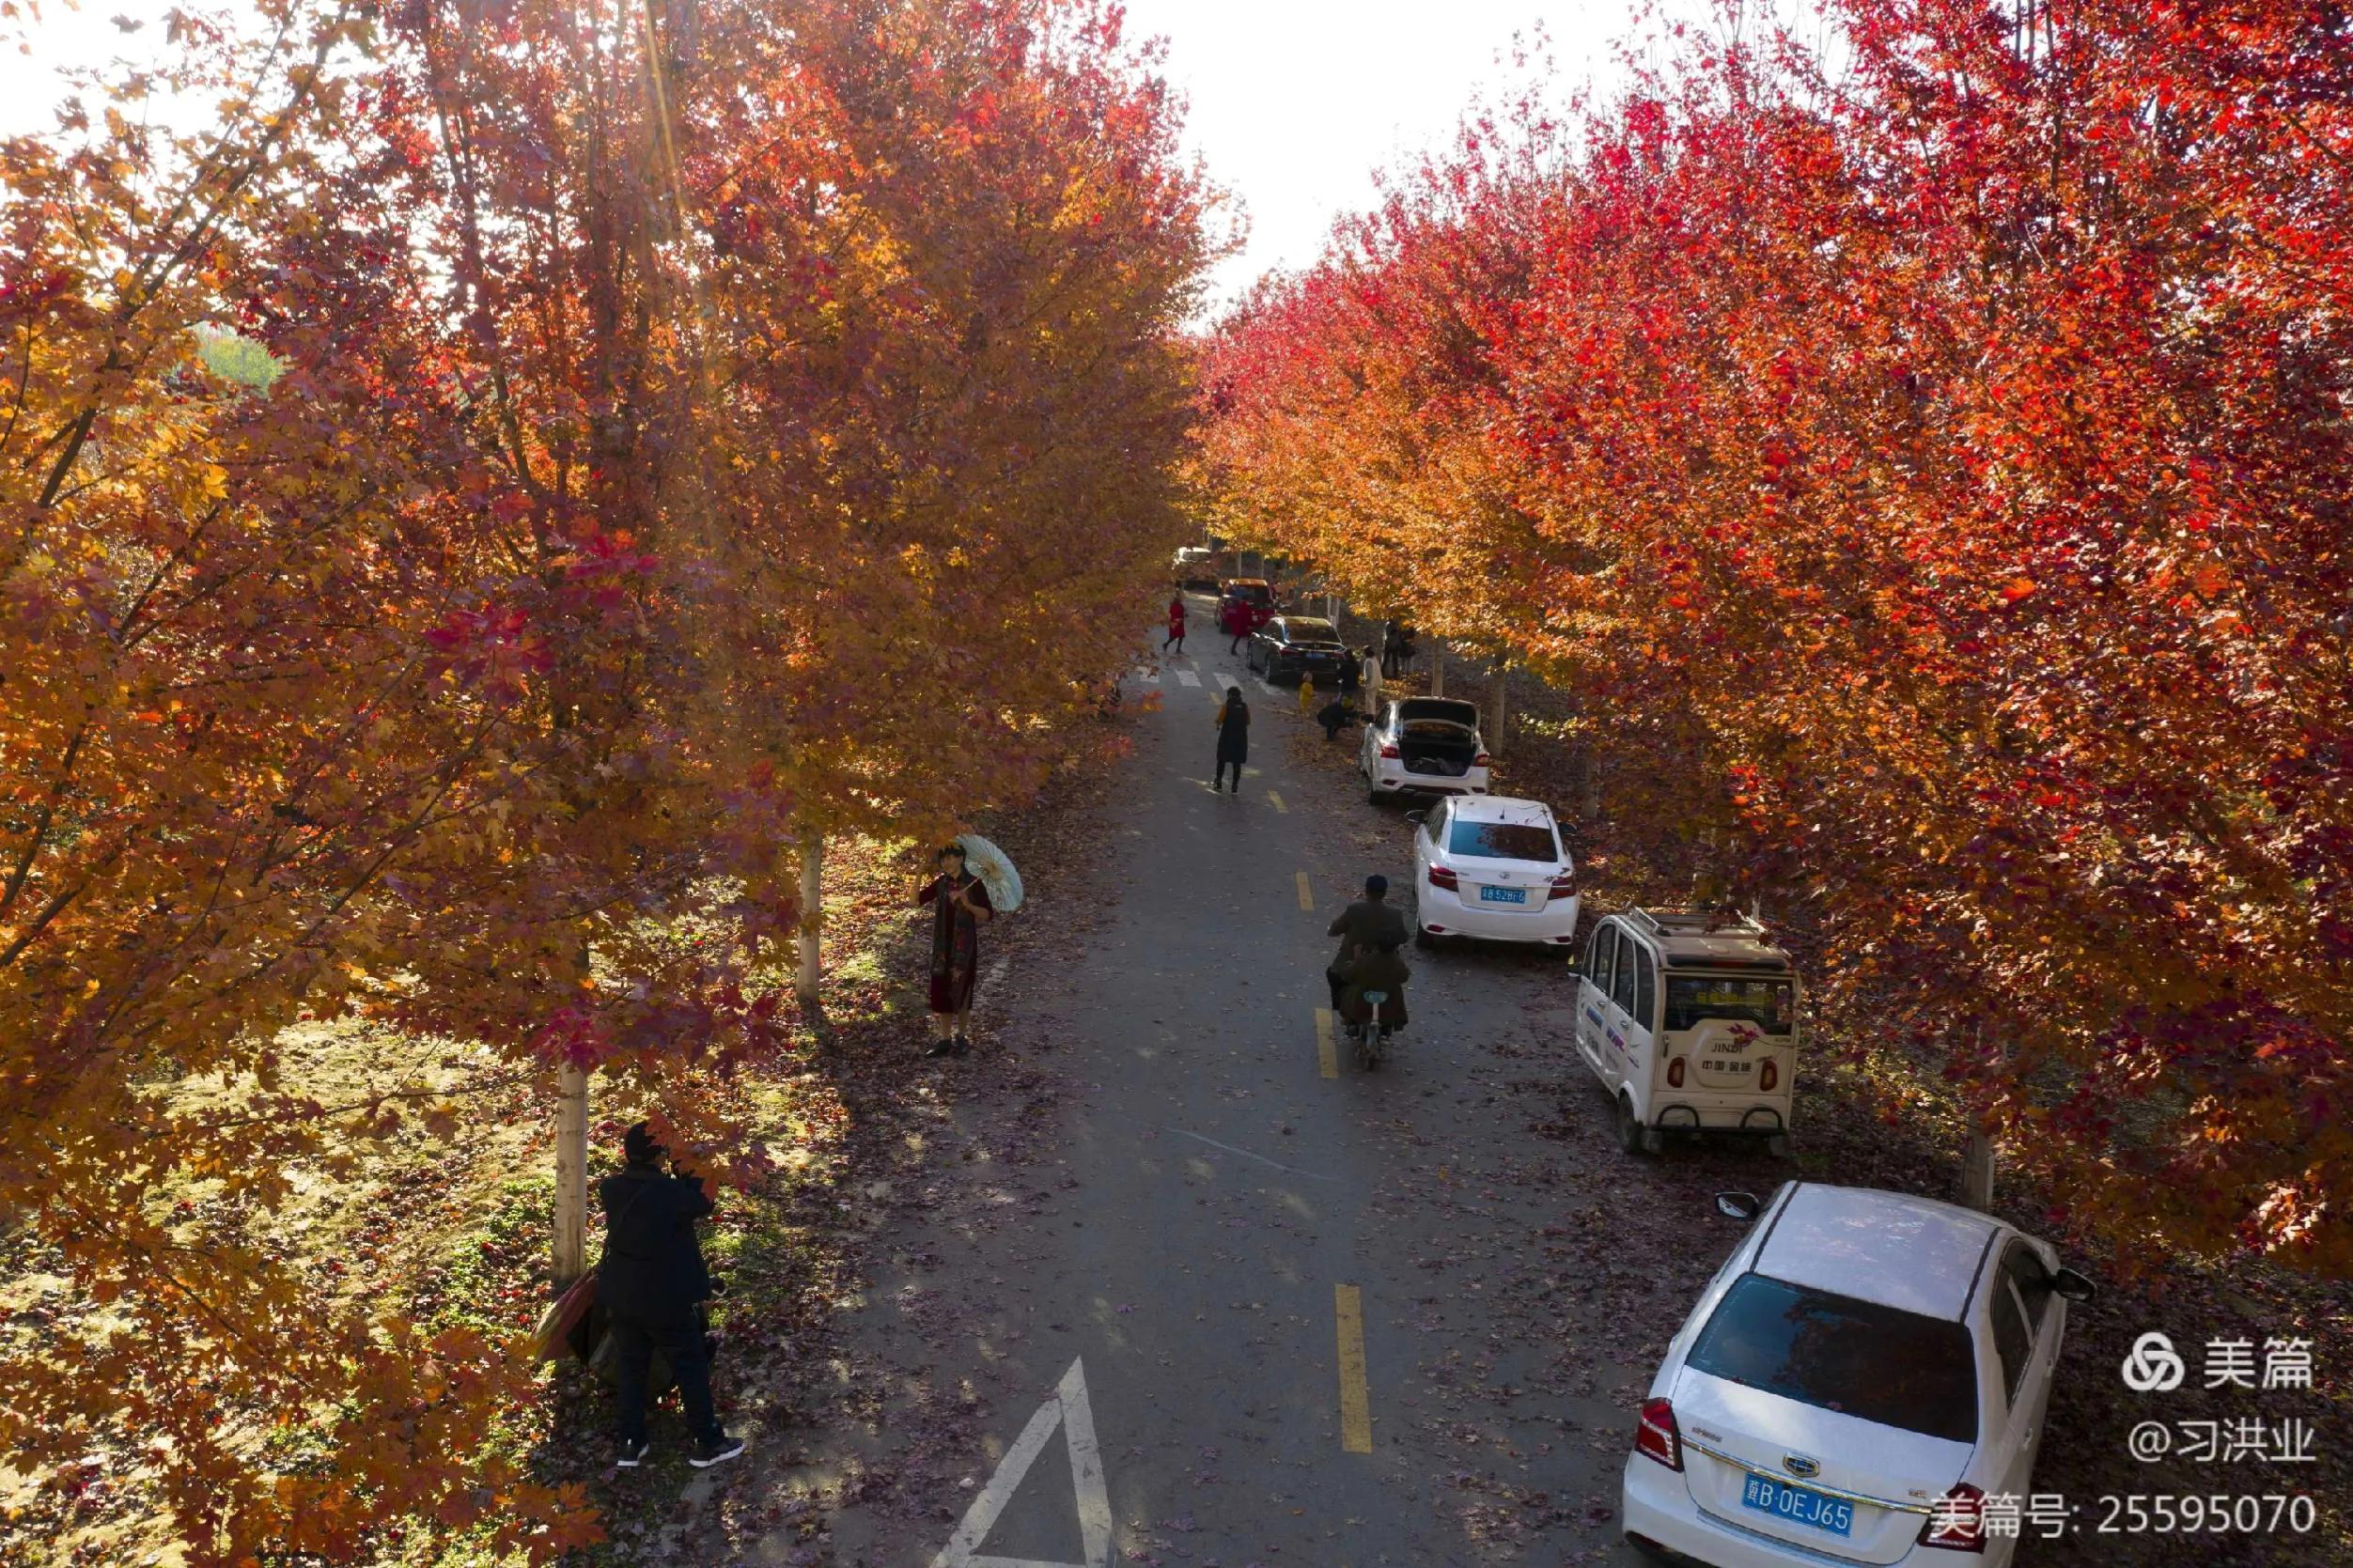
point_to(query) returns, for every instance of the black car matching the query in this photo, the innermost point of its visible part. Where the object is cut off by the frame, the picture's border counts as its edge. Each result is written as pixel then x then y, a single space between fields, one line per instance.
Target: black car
pixel 1296 647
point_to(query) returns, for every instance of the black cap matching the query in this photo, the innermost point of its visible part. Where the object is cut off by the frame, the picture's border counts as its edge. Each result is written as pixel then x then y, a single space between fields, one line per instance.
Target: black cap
pixel 1375 885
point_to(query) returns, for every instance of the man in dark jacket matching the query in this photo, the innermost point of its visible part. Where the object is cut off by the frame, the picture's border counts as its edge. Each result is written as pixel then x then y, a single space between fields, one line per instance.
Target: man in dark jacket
pixel 650 1283
pixel 1360 928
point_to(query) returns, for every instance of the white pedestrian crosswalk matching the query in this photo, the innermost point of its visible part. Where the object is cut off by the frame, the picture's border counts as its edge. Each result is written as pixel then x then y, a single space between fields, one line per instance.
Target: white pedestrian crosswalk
pixel 1186 678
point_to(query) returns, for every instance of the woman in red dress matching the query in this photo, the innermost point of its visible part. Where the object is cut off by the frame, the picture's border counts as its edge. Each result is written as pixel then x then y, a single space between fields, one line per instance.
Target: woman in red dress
pixel 959 904
pixel 1176 624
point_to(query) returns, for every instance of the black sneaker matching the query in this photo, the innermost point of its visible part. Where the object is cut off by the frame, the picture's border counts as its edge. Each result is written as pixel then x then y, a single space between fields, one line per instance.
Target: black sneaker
pixel 962 1047
pixel 707 1454
pixel 942 1047
pixel 632 1455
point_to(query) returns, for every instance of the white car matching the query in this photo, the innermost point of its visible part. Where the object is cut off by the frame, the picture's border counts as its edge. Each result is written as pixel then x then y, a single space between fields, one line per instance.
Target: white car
pixel 1860 1375
pixel 1492 867
pixel 1423 746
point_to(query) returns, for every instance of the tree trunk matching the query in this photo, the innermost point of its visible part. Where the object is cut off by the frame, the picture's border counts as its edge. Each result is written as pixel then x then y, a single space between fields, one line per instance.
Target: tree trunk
pixel 1437 668
pixel 1500 703
pixel 572 1173
pixel 1977 1173
pixel 811 917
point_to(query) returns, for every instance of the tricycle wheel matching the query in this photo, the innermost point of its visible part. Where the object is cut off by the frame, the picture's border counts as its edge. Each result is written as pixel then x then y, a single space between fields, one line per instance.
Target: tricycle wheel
pixel 1632 1136
pixel 1777 1145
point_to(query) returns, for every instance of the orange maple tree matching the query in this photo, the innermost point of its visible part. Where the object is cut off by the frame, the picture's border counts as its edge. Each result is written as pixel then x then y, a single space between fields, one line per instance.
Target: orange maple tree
pixel 583 551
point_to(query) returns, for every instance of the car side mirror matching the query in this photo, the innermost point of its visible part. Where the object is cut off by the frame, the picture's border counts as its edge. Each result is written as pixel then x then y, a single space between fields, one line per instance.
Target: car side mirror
pixel 1743 1206
pixel 2070 1286
pixel 1417 817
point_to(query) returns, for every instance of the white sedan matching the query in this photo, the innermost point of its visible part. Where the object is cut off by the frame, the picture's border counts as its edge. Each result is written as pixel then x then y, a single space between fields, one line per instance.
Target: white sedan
pixel 1860 1375
pixel 1423 746
pixel 1492 867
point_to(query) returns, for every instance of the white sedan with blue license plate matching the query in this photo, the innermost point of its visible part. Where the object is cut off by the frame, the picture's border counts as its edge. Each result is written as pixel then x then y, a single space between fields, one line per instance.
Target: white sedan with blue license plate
pixel 1494 868
pixel 1863 1372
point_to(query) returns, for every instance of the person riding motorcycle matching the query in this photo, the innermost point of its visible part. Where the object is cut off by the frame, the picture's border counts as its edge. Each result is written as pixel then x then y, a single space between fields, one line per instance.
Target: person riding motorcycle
pixel 1362 928
pixel 1382 969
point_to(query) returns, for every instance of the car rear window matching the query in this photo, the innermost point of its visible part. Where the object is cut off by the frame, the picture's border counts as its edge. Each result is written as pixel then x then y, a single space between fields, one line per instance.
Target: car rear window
pixel 1878 1363
pixel 1505 841
pixel 1250 593
pixel 1770 1004
pixel 1300 630
pixel 1464 714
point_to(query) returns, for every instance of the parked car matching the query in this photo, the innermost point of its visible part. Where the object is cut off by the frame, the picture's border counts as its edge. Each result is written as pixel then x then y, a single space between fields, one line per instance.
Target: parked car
pixel 1494 868
pixel 1195 569
pixel 1861 1375
pixel 1295 648
pixel 1689 1019
pixel 1256 596
pixel 1423 746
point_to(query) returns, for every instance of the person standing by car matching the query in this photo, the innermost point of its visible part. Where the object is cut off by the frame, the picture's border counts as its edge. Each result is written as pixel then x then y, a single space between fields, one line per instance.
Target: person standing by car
pixel 1176 624
pixel 1351 675
pixel 1233 738
pixel 1360 928
pixel 651 1283
pixel 960 906
pixel 1334 716
pixel 1233 620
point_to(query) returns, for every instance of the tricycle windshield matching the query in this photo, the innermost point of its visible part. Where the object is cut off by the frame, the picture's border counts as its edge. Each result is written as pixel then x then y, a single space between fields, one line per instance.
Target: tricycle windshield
pixel 1769 1004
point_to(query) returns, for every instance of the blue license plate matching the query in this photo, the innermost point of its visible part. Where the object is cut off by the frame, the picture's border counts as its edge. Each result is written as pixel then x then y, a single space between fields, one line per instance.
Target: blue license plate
pixel 1502 895
pixel 1797 1505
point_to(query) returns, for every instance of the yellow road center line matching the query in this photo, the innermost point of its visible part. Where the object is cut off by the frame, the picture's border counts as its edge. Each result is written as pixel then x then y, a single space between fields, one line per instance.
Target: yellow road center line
pixel 1326 1057
pixel 1276 802
pixel 1306 899
pixel 1356 1415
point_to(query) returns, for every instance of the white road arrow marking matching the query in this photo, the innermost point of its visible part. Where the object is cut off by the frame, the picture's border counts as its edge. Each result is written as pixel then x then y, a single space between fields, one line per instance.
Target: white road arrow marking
pixel 1070 1410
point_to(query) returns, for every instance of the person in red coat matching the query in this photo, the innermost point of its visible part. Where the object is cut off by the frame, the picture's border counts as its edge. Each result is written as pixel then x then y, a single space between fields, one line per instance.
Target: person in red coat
pixel 1176 624
pixel 1233 620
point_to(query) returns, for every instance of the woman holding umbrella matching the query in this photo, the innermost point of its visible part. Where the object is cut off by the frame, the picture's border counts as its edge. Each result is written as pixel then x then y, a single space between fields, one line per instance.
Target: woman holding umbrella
pixel 963 898
pixel 959 904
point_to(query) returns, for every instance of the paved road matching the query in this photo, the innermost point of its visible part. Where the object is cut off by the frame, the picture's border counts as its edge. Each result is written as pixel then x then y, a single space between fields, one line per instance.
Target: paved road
pixel 1319 1316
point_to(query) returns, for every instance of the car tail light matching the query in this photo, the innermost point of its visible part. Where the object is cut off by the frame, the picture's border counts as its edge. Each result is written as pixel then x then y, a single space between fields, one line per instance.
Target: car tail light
pixel 1769 1075
pixel 1957 1523
pixel 1444 877
pixel 1479 761
pixel 1390 750
pixel 1564 886
pixel 1655 1435
pixel 1675 1073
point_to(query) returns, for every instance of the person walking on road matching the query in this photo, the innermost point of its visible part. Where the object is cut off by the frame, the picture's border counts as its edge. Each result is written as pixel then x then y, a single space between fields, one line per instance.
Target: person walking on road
pixel 1233 620
pixel 1233 737
pixel 651 1283
pixel 1176 624
pixel 1361 929
pixel 960 906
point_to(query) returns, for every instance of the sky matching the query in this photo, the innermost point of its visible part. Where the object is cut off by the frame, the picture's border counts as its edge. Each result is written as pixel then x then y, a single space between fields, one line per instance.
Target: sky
pixel 1294 103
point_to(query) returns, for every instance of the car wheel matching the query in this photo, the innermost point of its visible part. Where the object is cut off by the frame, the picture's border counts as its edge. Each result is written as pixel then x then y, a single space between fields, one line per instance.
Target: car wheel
pixel 1372 796
pixel 1632 1136
pixel 1421 938
pixel 1777 1145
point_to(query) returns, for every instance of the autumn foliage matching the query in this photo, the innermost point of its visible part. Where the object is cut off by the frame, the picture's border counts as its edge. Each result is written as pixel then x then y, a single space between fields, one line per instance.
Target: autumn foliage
pixel 691 428
pixel 1948 445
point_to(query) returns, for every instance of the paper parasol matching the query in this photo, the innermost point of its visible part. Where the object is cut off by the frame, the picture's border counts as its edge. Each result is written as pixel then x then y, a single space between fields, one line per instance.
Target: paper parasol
pixel 989 864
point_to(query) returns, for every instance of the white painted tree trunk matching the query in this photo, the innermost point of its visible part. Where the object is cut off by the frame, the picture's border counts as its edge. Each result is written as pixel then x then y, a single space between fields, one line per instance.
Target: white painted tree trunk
pixel 572 1173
